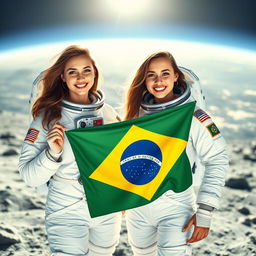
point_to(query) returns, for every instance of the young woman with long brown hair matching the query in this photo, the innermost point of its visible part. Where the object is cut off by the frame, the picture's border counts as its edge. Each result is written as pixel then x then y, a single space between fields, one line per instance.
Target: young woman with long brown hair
pixel 70 99
pixel 163 227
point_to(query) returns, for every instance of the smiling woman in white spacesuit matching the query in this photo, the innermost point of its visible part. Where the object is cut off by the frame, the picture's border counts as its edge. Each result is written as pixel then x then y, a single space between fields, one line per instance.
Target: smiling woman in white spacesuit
pixel 169 224
pixel 69 99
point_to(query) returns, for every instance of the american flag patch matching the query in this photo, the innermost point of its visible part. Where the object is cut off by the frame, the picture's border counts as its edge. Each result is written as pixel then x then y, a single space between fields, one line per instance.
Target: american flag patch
pixel 31 135
pixel 201 115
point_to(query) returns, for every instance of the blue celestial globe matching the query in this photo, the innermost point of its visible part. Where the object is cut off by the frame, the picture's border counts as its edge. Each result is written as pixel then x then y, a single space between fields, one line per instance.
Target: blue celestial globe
pixel 141 162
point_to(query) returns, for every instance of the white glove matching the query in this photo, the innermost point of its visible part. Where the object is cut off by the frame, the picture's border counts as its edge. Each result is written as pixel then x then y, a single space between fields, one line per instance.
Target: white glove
pixel 203 218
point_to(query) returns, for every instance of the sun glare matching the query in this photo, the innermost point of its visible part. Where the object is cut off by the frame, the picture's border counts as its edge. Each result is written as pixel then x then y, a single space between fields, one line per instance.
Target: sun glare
pixel 130 8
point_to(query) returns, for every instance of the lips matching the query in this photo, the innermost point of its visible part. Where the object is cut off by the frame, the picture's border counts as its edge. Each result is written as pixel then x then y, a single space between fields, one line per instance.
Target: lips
pixel 159 88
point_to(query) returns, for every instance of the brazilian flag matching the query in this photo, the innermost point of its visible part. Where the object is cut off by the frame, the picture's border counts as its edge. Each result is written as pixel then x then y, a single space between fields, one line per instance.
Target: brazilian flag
pixel 129 164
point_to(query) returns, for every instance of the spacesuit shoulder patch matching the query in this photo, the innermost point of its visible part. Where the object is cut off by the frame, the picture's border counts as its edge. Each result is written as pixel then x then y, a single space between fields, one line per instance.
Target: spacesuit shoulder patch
pixel 201 115
pixel 213 129
pixel 32 135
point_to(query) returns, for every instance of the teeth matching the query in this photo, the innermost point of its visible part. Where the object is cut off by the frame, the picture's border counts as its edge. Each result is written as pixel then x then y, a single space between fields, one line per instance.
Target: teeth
pixel 159 88
pixel 80 85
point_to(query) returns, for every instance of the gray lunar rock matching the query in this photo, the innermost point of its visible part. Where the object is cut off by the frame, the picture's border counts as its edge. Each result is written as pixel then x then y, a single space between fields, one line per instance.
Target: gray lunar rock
pixel 7 136
pixel 238 183
pixel 8 236
pixel 10 152
pixel 244 211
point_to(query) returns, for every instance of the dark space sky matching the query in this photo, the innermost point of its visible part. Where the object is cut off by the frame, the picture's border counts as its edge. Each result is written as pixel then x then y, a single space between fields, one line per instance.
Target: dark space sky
pixel 24 16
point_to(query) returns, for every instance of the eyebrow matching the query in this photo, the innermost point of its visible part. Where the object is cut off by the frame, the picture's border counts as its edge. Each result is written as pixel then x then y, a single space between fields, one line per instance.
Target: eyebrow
pixel 76 69
pixel 149 71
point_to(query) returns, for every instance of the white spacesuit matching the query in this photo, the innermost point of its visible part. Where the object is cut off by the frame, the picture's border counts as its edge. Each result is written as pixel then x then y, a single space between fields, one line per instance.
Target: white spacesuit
pixel 156 228
pixel 70 229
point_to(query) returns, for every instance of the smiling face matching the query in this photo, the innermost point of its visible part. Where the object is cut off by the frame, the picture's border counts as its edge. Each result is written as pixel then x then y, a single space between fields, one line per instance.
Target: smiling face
pixel 160 79
pixel 79 75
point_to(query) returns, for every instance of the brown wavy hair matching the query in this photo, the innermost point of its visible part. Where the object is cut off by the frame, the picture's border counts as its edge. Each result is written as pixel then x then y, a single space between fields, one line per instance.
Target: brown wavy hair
pixel 53 88
pixel 138 85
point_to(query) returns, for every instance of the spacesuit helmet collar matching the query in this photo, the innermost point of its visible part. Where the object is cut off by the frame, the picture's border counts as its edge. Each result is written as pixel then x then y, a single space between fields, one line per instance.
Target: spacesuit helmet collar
pixel 97 98
pixel 149 105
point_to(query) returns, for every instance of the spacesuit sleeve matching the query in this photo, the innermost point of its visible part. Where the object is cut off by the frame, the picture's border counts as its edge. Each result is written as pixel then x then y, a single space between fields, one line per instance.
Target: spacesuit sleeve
pixel 211 148
pixel 34 166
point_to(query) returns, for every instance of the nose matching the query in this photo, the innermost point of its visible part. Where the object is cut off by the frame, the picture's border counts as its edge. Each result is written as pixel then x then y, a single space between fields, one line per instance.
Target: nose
pixel 80 76
pixel 158 79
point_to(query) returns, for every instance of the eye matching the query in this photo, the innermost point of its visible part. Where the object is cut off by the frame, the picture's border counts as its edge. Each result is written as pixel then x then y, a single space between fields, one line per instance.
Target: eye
pixel 86 71
pixel 72 73
pixel 150 75
pixel 165 74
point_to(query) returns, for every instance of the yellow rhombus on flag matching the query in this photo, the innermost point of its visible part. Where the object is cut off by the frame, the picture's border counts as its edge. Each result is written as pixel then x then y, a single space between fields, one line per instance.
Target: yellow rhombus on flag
pixel 171 149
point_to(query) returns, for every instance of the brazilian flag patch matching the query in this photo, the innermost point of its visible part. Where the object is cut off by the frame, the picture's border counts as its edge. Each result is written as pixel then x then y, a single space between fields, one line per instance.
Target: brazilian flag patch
pixel 213 129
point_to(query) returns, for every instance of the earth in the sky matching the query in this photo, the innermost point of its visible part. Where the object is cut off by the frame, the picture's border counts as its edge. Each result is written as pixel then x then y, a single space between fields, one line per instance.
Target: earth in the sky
pixel 227 75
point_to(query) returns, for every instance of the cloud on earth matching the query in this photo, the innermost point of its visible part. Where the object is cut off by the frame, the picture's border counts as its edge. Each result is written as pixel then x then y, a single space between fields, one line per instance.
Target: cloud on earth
pixel 250 92
pixel 240 114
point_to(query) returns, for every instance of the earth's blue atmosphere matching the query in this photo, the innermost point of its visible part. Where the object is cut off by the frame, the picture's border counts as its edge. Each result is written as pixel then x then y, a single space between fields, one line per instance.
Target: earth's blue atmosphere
pixel 227 75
